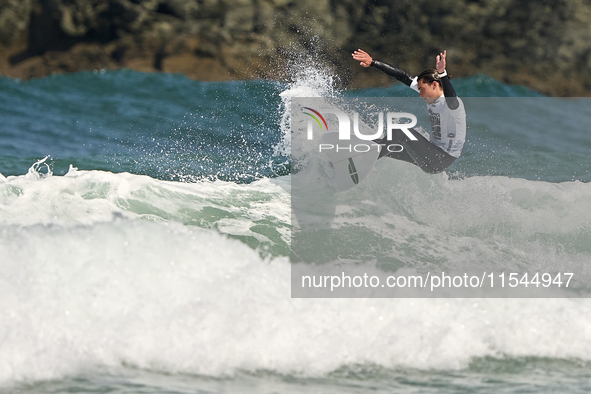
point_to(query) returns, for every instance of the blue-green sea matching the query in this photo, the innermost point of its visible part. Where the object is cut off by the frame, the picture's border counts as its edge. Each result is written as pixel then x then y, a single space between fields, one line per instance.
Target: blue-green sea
pixel 145 241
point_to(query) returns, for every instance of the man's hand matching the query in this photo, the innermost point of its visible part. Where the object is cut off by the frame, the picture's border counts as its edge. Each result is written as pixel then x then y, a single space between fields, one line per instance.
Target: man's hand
pixel 440 62
pixel 363 57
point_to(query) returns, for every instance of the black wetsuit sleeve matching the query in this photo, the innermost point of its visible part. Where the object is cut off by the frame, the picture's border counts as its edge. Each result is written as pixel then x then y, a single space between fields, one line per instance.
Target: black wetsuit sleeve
pixel 451 98
pixel 392 71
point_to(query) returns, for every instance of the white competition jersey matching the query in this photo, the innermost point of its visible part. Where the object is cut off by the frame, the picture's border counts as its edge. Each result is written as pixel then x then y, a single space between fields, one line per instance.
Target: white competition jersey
pixel 448 127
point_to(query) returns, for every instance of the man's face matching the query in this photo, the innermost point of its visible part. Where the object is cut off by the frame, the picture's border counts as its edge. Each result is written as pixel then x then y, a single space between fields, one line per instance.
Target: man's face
pixel 429 92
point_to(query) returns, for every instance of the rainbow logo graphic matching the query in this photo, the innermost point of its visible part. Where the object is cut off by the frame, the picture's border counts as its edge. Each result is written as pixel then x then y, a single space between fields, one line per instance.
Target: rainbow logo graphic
pixel 316 119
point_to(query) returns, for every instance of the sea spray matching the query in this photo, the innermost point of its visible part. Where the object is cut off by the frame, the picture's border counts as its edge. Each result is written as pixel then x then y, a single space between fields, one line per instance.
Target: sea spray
pixel 310 80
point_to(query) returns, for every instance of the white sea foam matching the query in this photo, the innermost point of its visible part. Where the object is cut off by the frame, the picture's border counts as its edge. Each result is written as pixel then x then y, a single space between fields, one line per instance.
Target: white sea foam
pixel 104 270
pixel 170 298
pixel 90 197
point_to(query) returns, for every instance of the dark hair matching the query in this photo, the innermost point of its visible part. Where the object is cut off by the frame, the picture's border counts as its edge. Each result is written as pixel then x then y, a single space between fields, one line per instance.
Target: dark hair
pixel 430 76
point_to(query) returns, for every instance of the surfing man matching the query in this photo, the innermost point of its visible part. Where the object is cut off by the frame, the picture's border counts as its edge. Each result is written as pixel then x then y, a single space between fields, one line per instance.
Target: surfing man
pixel 448 117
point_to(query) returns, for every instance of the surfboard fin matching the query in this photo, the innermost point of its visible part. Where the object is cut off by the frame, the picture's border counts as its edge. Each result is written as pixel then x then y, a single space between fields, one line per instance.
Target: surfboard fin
pixel 353 171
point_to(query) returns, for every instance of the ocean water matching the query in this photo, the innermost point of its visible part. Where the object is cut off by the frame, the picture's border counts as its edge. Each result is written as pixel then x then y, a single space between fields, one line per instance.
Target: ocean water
pixel 145 238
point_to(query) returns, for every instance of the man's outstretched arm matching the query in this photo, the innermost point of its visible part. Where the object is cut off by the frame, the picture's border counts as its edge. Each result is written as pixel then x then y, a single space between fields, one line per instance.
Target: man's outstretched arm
pixel 367 61
pixel 448 90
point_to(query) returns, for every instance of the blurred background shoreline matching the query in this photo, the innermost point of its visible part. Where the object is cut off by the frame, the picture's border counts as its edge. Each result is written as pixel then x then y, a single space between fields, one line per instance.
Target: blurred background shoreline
pixel 539 44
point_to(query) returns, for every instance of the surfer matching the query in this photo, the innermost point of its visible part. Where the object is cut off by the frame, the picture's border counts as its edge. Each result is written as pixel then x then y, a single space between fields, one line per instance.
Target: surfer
pixel 448 117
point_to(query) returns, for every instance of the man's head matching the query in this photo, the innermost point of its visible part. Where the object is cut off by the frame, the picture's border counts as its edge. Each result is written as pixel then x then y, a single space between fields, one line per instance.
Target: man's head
pixel 429 85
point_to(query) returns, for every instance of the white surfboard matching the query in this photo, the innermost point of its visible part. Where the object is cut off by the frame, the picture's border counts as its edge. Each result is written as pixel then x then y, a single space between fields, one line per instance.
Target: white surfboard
pixel 353 160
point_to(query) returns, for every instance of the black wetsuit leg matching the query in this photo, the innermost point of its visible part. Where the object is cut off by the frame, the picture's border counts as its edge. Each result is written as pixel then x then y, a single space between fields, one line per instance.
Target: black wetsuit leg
pixel 422 153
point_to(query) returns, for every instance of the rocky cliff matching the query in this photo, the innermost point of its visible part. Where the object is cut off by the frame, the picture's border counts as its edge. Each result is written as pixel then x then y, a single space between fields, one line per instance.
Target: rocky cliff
pixel 541 44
